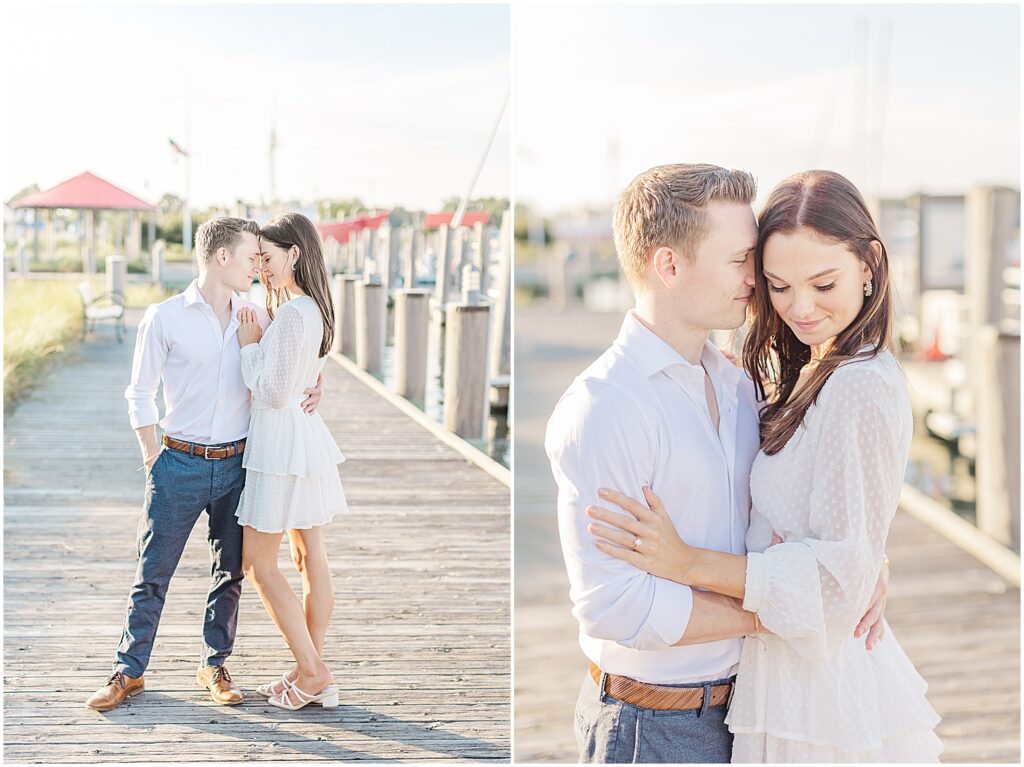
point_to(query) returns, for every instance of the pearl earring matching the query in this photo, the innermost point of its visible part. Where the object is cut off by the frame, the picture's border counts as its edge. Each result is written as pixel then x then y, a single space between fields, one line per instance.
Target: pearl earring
pixel 868 289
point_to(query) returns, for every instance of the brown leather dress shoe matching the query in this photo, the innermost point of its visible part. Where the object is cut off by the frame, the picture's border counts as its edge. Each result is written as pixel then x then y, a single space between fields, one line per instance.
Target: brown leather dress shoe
pixel 117 689
pixel 217 680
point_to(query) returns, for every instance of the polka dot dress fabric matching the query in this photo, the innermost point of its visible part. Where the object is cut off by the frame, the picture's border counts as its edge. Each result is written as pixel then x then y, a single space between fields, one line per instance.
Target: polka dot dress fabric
pixel 291 459
pixel 811 691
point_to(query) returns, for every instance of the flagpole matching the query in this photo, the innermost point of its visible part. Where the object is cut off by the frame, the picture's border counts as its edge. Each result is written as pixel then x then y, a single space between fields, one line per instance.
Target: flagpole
pixel 186 211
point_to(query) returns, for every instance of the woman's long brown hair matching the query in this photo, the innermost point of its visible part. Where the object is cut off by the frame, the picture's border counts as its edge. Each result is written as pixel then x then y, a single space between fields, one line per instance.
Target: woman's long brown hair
pixel 286 230
pixel 831 206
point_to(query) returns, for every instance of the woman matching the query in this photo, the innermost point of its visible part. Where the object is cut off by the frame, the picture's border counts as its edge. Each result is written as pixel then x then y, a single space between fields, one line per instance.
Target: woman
pixel 835 433
pixel 291 459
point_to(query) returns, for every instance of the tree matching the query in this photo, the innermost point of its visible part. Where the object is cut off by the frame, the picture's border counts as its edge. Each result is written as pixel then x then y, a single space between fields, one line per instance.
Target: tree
pixel 27 190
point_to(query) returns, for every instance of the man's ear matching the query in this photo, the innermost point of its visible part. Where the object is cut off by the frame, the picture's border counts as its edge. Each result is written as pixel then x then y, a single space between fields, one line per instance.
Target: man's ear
pixel 665 264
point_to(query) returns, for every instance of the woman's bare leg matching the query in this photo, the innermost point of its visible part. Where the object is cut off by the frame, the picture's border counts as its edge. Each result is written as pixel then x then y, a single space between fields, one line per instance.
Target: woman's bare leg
pixel 310 557
pixel 259 563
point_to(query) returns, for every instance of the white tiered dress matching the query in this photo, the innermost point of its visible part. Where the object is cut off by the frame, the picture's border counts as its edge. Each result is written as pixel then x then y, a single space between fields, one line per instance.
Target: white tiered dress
pixel 811 691
pixel 290 459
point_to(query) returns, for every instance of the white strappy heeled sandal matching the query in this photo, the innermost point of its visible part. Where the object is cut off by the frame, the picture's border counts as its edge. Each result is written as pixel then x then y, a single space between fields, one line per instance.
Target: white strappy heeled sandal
pixel 267 690
pixel 327 697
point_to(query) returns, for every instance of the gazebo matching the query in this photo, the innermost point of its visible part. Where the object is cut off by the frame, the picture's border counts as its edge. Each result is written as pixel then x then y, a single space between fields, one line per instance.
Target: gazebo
pixel 88 194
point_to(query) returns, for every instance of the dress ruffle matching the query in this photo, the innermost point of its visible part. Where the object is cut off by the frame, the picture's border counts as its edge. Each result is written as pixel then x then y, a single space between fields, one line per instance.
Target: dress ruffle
pixel 272 503
pixel 857 706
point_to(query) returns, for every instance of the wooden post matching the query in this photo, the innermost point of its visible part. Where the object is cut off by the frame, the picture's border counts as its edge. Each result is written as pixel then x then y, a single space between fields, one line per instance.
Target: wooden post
pixel 479 254
pixel 151 235
pixel 371 267
pixel 50 245
pixel 993 361
pixel 22 257
pixel 444 255
pixel 351 257
pixel 457 243
pixel 412 323
pixel 82 245
pixel 35 233
pixel 419 239
pixel 134 244
pixel 465 369
pixel 118 231
pixel 92 251
pixel 360 251
pixel 393 248
pixel 405 256
pixel 116 275
pixel 500 352
pixel 997 406
pixel 371 305
pixel 343 294
pixel 157 265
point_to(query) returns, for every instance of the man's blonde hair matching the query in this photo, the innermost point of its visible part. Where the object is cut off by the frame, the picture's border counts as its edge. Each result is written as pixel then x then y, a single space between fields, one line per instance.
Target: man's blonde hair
pixel 221 232
pixel 666 206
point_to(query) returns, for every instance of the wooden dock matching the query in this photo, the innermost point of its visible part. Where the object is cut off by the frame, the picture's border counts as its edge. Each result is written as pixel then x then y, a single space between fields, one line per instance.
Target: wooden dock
pixel 957 620
pixel 419 642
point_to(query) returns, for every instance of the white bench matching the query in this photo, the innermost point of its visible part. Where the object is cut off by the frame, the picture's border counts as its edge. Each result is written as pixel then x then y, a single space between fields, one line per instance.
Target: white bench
pixel 108 306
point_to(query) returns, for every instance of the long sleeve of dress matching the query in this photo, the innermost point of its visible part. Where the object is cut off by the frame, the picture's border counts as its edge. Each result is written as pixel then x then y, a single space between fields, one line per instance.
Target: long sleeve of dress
pixel 812 591
pixel 271 368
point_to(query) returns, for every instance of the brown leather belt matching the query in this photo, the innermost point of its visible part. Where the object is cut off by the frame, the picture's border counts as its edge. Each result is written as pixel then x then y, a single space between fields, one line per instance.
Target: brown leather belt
pixel 209 453
pixel 657 696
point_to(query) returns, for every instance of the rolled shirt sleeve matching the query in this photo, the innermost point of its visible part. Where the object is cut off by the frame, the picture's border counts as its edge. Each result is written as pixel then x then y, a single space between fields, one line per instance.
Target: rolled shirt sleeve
pixel 597 437
pixel 147 367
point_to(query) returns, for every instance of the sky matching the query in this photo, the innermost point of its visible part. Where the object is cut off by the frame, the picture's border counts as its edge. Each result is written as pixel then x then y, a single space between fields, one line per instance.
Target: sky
pixel 604 92
pixel 390 103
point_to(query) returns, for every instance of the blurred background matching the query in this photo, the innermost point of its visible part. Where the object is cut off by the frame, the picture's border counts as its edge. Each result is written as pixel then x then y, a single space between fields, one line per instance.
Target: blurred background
pixel 385 124
pixel 920 107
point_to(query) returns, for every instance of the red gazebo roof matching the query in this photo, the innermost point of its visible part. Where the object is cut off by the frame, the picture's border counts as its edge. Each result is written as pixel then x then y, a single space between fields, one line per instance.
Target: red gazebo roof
pixel 469 218
pixel 84 191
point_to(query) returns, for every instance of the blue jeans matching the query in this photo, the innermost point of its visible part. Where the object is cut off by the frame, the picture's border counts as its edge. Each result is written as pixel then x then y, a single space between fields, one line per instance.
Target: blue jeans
pixel 609 731
pixel 179 487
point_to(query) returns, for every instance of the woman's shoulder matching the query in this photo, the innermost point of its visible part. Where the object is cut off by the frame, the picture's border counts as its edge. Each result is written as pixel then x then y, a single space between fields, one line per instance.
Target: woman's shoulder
pixel 879 376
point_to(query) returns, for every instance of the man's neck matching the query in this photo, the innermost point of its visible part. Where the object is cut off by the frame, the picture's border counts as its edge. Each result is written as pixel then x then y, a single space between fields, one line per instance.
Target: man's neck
pixel 686 339
pixel 214 292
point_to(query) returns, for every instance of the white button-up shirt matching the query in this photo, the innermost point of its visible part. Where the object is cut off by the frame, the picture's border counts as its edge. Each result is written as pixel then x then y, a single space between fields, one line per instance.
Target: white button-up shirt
pixel 639 415
pixel 180 340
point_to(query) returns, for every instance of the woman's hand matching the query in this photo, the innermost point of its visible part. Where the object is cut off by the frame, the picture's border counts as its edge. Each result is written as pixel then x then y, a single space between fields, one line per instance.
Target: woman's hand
pixel 313 395
pixel 645 537
pixel 249 330
pixel 872 621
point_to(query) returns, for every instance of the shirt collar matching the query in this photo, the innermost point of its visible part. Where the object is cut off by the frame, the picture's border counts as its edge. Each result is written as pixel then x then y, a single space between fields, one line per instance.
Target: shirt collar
pixel 193 296
pixel 652 355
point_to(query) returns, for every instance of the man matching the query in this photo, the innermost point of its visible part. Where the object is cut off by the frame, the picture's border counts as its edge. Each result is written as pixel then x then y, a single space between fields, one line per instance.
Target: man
pixel 663 408
pixel 189 342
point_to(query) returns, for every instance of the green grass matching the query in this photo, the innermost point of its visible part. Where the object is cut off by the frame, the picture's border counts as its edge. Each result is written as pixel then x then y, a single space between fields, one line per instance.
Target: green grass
pixel 42 320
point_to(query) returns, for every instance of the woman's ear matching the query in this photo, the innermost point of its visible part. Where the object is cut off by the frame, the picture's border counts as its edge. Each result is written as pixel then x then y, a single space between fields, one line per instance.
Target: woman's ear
pixel 866 272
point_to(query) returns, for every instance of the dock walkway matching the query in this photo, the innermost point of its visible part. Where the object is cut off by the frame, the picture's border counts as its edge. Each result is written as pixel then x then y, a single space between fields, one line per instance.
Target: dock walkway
pixel 957 620
pixel 419 642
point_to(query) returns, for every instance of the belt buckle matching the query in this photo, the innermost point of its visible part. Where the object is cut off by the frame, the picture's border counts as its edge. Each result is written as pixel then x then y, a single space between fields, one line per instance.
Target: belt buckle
pixel 206 454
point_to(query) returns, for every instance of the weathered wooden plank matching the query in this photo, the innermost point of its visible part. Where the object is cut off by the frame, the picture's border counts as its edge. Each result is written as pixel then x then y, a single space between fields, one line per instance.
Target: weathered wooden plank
pixel 419 641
